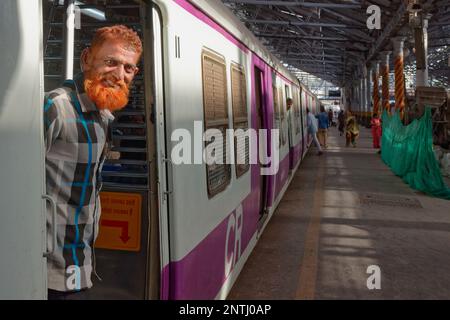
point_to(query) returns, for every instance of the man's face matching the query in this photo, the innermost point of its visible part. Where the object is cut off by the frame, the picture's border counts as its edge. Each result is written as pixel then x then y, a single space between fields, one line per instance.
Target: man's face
pixel 109 70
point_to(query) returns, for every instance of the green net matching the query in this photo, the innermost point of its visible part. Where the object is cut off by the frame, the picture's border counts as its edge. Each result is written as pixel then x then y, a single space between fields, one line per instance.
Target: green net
pixel 408 151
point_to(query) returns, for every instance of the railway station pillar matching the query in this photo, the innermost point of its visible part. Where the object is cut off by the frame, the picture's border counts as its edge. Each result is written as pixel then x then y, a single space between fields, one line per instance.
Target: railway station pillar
pixel 385 80
pixel 368 71
pixel 362 98
pixel 356 96
pixel 376 88
pixel 366 81
pixel 399 74
pixel 420 31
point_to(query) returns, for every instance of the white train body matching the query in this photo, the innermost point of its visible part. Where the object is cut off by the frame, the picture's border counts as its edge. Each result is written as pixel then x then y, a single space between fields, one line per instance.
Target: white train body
pixel 211 238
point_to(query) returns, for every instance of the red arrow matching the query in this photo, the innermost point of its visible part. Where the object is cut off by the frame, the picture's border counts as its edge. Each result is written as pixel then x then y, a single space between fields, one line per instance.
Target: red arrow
pixel 118 224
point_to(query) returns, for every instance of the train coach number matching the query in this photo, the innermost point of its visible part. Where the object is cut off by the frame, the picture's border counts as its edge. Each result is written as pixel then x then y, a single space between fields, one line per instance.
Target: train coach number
pixel 233 244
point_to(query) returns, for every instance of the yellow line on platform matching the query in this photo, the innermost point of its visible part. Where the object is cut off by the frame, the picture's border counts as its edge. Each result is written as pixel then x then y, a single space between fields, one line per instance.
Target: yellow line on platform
pixel 308 272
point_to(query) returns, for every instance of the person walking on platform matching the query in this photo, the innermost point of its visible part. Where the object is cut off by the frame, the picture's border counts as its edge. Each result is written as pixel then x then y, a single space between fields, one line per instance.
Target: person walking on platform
pixel 323 127
pixel 375 124
pixel 341 120
pixel 351 130
pixel 76 121
pixel 330 118
pixel 311 123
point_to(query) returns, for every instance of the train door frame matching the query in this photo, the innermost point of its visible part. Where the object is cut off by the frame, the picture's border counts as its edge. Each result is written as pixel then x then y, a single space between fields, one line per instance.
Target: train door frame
pixel 23 240
pixel 152 206
pixel 288 94
pixel 262 121
pixel 164 164
pixel 302 132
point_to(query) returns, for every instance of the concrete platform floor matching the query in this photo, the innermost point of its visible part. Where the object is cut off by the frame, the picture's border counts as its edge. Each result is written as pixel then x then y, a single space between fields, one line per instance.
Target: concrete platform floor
pixel 343 212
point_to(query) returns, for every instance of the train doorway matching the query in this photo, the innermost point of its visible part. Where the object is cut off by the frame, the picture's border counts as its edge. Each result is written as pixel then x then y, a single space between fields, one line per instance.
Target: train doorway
pixel 289 117
pixel 127 251
pixel 262 145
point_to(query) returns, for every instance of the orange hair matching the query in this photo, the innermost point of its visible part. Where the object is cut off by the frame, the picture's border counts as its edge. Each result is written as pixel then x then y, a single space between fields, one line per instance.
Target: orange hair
pixel 118 33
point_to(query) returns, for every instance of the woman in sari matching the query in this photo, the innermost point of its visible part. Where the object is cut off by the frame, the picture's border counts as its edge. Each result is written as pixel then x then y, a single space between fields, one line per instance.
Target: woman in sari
pixel 375 123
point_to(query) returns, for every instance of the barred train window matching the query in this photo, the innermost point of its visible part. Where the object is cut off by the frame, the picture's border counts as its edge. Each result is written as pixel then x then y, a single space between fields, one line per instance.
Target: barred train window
pixel 216 117
pixel 240 119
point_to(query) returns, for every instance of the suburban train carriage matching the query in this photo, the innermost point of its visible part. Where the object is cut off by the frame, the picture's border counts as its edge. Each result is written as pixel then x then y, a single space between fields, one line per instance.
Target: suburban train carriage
pixel 214 226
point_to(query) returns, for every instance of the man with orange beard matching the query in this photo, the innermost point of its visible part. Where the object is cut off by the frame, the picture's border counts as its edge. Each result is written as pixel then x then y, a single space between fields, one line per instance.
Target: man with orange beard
pixel 76 118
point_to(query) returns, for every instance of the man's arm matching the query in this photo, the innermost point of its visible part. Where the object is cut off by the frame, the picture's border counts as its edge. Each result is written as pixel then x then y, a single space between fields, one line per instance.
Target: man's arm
pixel 52 123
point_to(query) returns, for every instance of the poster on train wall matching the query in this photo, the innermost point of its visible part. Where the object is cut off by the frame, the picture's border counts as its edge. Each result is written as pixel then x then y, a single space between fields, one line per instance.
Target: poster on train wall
pixel 120 221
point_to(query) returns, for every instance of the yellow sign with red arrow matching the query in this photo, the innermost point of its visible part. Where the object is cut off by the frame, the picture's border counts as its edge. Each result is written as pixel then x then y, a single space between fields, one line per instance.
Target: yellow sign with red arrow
pixel 120 221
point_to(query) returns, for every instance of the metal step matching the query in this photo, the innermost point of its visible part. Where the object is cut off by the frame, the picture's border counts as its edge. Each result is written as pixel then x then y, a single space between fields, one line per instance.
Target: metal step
pixel 124 174
pixel 135 150
pixel 125 137
pixel 129 125
pixel 125 161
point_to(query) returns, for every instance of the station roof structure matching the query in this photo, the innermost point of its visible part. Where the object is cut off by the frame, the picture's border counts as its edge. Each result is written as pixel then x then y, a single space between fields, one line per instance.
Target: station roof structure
pixel 331 39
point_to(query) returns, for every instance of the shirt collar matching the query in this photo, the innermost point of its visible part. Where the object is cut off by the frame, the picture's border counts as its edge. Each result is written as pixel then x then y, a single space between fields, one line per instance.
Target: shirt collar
pixel 87 105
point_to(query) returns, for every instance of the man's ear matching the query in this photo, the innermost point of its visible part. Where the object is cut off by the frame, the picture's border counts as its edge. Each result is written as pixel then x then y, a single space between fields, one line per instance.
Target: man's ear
pixel 85 59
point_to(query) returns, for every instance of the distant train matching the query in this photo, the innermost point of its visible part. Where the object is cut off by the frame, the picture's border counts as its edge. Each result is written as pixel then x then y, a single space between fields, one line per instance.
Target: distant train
pixel 168 231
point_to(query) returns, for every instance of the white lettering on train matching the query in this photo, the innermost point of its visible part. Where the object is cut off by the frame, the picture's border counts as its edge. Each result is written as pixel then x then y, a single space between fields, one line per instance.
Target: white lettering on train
pixel 235 223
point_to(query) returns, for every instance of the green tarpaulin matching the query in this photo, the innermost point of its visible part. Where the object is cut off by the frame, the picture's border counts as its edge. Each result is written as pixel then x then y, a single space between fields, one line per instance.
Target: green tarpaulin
pixel 408 151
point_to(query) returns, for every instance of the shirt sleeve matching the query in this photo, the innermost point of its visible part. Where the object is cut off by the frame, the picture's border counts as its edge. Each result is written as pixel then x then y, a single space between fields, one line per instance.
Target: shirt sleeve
pixel 52 123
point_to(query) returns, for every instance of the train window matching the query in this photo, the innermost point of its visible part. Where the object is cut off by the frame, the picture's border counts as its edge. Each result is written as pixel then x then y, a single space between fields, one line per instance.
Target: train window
pixel 282 103
pixel 279 113
pixel 240 119
pixel 216 116
pixel 282 109
pixel 276 109
pixel 287 92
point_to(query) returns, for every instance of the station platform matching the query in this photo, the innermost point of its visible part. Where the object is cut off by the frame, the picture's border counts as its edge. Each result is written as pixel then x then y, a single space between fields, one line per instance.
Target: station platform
pixel 343 212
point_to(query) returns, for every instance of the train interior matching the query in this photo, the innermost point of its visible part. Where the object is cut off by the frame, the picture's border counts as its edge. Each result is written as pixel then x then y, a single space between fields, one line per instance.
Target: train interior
pixel 126 251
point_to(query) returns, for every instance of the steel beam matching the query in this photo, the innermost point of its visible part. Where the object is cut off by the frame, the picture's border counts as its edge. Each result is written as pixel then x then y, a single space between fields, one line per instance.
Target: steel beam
pixel 297 4
pixel 278 36
pixel 300 23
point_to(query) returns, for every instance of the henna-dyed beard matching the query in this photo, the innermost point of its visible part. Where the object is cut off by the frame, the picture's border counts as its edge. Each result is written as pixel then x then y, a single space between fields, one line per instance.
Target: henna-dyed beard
pixel 104 97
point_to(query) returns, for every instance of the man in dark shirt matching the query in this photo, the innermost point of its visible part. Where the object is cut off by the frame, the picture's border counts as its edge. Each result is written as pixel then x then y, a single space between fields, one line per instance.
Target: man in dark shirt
pixel 323 127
